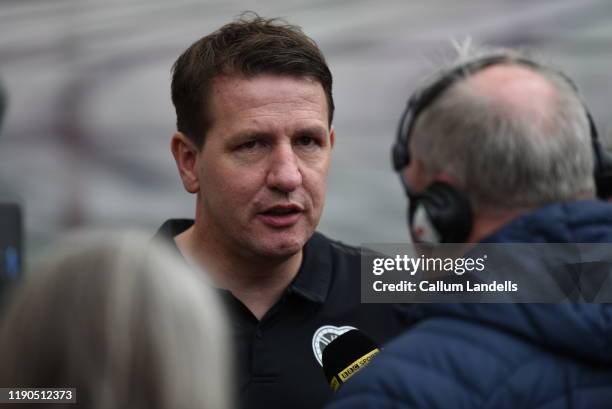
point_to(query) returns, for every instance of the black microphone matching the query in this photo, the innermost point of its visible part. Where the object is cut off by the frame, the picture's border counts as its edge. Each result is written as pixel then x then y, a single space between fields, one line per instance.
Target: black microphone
pixel 346 355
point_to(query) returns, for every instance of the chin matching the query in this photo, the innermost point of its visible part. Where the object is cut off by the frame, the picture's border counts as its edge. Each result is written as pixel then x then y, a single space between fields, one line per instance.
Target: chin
pixel 281 251
pixel 284 248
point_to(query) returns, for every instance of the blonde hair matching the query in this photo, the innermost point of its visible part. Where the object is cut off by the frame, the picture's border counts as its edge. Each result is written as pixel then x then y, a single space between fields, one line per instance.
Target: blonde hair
pixel 122 319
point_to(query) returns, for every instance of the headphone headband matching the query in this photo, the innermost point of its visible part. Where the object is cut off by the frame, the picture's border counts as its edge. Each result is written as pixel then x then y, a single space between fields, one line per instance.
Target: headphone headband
pixel 421 99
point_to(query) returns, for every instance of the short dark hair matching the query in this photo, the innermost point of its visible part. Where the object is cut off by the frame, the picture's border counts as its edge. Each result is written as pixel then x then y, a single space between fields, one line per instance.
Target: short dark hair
pixel 249 46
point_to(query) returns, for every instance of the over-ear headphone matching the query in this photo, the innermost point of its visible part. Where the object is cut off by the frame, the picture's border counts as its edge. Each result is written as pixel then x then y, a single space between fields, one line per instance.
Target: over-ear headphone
pixel 442 213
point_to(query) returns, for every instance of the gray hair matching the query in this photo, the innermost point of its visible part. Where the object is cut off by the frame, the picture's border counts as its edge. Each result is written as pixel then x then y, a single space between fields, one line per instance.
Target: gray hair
pixel 123 320
pixel 502 160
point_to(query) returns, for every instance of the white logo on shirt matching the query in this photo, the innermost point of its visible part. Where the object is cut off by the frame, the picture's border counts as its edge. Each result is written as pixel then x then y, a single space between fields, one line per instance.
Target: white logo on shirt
pixel 324 336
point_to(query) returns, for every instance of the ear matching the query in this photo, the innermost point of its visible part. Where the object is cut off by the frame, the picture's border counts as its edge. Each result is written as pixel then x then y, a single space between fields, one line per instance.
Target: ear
pixel 332 137
pixel 446 178
pixel 185 155
pixel 417 175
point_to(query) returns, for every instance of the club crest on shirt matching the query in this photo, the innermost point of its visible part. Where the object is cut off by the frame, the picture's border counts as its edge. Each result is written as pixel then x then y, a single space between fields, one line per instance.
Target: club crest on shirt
pixel 323 336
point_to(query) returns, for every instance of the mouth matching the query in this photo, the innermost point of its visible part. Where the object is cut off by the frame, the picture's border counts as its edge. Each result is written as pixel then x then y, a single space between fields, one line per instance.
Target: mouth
pixel 280 216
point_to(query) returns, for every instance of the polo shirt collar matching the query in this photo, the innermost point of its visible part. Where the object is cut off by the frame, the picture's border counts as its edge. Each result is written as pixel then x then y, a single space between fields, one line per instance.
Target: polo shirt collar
pixel 313 279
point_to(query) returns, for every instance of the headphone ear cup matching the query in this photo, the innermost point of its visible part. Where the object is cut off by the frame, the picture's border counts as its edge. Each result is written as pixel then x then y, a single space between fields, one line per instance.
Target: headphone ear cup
pixel 603 174
pixel 441 214
pixel 603 162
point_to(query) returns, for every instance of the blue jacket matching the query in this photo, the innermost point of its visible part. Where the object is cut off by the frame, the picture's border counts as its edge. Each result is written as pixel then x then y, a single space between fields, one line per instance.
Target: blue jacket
pixel 501 355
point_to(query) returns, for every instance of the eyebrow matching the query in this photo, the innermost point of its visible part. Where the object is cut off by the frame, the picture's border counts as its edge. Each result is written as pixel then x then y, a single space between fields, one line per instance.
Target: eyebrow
pixel 312 130
pixel 247 135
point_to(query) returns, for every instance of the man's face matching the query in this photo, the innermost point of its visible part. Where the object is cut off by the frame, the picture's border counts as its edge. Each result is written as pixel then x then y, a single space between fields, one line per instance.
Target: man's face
pixel 262 170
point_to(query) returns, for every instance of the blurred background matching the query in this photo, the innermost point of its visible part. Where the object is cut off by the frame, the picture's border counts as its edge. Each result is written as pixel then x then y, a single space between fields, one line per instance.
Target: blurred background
pixel 85 140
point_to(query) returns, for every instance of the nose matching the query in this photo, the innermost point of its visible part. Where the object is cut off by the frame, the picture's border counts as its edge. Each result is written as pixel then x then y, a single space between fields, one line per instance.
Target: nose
pixel 284 173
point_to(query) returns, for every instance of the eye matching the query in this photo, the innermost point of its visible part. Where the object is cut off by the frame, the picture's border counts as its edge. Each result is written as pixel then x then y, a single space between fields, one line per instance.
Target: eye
pixel 306 141
pixel 250 145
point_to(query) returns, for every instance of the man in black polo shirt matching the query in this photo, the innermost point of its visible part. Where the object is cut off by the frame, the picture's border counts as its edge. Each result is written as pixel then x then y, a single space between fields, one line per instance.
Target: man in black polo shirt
pixel 254 111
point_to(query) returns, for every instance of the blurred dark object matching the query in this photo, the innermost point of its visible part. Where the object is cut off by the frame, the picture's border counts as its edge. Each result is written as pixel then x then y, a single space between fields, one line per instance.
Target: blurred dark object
pixel 3 104
pixel 11 229
pixel 11 245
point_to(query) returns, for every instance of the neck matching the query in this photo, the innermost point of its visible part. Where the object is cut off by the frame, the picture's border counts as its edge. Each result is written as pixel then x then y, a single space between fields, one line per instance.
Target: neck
pixel 257 281
pixel 487 222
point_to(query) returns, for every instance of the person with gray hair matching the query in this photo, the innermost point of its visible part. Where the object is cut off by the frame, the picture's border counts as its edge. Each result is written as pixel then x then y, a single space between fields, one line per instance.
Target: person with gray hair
pixel 528 142
pixel 123 321
pixel 504 149
pixel 498 148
